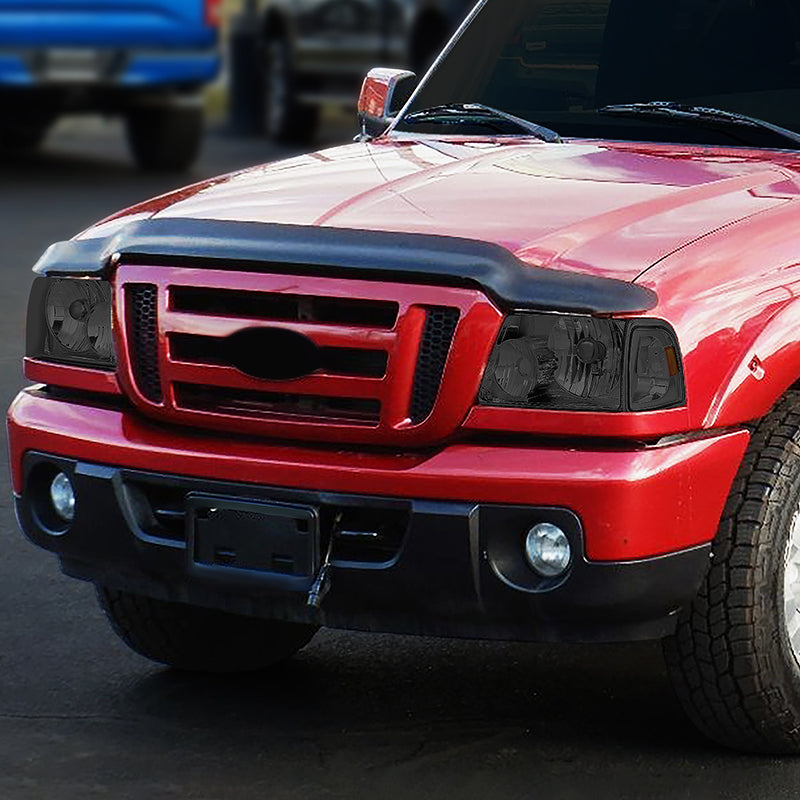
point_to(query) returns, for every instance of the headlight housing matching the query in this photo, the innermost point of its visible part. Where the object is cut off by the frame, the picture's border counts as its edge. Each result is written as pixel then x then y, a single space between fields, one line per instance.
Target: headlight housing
pixel 581 363
pixel 69 321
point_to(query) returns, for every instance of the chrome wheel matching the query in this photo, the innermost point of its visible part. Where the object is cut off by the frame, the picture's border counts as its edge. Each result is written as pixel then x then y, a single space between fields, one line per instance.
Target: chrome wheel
pixel 791 587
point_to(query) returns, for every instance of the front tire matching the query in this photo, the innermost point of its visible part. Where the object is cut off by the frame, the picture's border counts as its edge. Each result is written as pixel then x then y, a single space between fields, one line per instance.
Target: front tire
pixel 735 657
pixel 200 639
pixel 165 137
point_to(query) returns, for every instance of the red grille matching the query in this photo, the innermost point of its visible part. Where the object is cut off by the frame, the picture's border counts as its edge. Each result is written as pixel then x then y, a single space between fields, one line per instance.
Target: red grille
pixel 393 362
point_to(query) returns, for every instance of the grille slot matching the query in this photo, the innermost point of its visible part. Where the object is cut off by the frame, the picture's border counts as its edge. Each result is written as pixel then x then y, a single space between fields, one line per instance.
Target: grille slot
pixel 243 402
pixel 143 320
pixel 284 307
pixel 333 360
pixel 437 336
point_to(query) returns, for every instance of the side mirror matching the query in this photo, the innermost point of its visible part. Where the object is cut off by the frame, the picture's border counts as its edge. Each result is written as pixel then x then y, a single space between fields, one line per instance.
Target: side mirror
pixel 383 93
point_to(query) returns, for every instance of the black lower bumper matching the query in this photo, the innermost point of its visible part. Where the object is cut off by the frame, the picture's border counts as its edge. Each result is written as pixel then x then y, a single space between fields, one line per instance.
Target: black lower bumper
pixel 404 566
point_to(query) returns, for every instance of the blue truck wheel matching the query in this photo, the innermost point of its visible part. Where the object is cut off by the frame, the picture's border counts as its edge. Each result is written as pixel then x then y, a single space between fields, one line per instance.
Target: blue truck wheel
pixel 165 136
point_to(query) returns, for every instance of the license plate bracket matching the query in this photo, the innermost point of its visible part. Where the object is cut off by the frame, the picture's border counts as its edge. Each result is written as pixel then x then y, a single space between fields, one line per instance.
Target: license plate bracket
pixel 253 541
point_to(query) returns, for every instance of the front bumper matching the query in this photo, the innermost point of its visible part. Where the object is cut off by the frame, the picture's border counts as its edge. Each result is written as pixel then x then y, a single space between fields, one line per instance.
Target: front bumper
pixel 640 522
pixel 119 68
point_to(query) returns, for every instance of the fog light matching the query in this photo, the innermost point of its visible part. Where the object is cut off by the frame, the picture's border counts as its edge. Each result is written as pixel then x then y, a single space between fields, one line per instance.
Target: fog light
pixel 547 549
pixel 62 497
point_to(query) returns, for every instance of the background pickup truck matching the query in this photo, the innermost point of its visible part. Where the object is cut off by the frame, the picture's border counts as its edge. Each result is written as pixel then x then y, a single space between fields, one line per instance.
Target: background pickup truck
pixel 297 55
pixel 143 59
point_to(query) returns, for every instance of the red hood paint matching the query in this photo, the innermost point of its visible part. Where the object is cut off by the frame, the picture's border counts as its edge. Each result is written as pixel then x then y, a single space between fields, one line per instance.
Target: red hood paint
pixel 607 209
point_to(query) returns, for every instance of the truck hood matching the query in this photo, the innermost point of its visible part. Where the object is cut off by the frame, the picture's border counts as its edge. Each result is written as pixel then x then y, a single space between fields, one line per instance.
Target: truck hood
pixel 605 209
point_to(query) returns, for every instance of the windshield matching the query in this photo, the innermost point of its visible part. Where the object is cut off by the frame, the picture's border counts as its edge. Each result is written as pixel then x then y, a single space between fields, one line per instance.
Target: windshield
pixel 556 62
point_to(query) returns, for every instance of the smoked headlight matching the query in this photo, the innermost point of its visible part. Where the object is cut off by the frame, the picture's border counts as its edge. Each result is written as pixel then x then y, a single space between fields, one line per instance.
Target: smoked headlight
pixel 558 361
pixel 69 320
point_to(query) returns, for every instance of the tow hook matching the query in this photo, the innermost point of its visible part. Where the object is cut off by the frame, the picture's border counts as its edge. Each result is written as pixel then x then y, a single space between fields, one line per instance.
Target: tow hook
pixel 322 583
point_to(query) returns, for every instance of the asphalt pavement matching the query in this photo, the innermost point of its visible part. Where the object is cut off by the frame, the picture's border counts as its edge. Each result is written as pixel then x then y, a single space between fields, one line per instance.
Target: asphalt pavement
pixel 353 715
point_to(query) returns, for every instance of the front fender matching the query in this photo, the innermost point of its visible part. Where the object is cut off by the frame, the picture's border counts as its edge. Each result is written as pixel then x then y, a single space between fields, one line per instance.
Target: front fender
pixel 765 370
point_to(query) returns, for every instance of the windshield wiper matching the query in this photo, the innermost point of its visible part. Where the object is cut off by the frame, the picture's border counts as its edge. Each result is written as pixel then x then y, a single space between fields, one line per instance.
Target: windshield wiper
pixel 479 114
pixel 681 112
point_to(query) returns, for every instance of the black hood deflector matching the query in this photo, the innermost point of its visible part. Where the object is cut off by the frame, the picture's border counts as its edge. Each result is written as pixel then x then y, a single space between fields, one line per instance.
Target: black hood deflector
pixel 368 255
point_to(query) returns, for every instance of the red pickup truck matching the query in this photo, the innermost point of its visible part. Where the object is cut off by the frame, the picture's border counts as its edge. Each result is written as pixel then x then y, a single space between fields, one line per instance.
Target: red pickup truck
pixel 521 363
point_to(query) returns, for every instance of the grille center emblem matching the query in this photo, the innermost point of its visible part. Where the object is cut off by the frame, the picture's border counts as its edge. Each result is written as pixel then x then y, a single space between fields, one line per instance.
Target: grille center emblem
pixel 272 353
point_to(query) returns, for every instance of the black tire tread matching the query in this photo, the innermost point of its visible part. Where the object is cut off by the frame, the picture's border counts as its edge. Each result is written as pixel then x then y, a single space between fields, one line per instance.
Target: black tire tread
pixel 200 639
pixel 165 137
pixel 300 121
pixel 729 666
pixel 26 135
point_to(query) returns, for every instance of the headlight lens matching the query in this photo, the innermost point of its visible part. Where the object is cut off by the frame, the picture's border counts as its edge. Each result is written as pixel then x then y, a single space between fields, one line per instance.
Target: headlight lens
pixel 557 361
pixel 69 320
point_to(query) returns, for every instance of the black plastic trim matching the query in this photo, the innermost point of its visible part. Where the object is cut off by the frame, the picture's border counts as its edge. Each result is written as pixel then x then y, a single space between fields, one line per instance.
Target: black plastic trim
pixel 142 301
pixel 454 572
pixel 400 257
pixel 434 348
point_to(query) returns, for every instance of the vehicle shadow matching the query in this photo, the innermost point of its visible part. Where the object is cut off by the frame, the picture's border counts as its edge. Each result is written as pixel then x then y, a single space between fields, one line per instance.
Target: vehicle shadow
pixel 440 718
pixel 573 695
pixel 436 718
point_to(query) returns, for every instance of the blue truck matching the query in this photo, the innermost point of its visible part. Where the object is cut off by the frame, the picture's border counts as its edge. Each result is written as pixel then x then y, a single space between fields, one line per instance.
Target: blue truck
pixel 144 60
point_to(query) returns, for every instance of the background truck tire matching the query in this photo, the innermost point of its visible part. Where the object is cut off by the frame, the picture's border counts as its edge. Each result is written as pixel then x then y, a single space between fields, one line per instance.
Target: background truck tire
pixel 735 657
pixel 200 639
pixel 429 38
pixel 285 119
pixel 24 135
pixel 165 137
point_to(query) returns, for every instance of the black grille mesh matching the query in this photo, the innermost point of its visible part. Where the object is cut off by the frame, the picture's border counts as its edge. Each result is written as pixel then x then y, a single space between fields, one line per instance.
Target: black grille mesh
pixel 440 325
pixel 143 311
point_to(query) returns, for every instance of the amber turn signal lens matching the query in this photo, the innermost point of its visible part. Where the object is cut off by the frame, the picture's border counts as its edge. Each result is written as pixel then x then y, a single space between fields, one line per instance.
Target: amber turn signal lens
pixel 672 361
